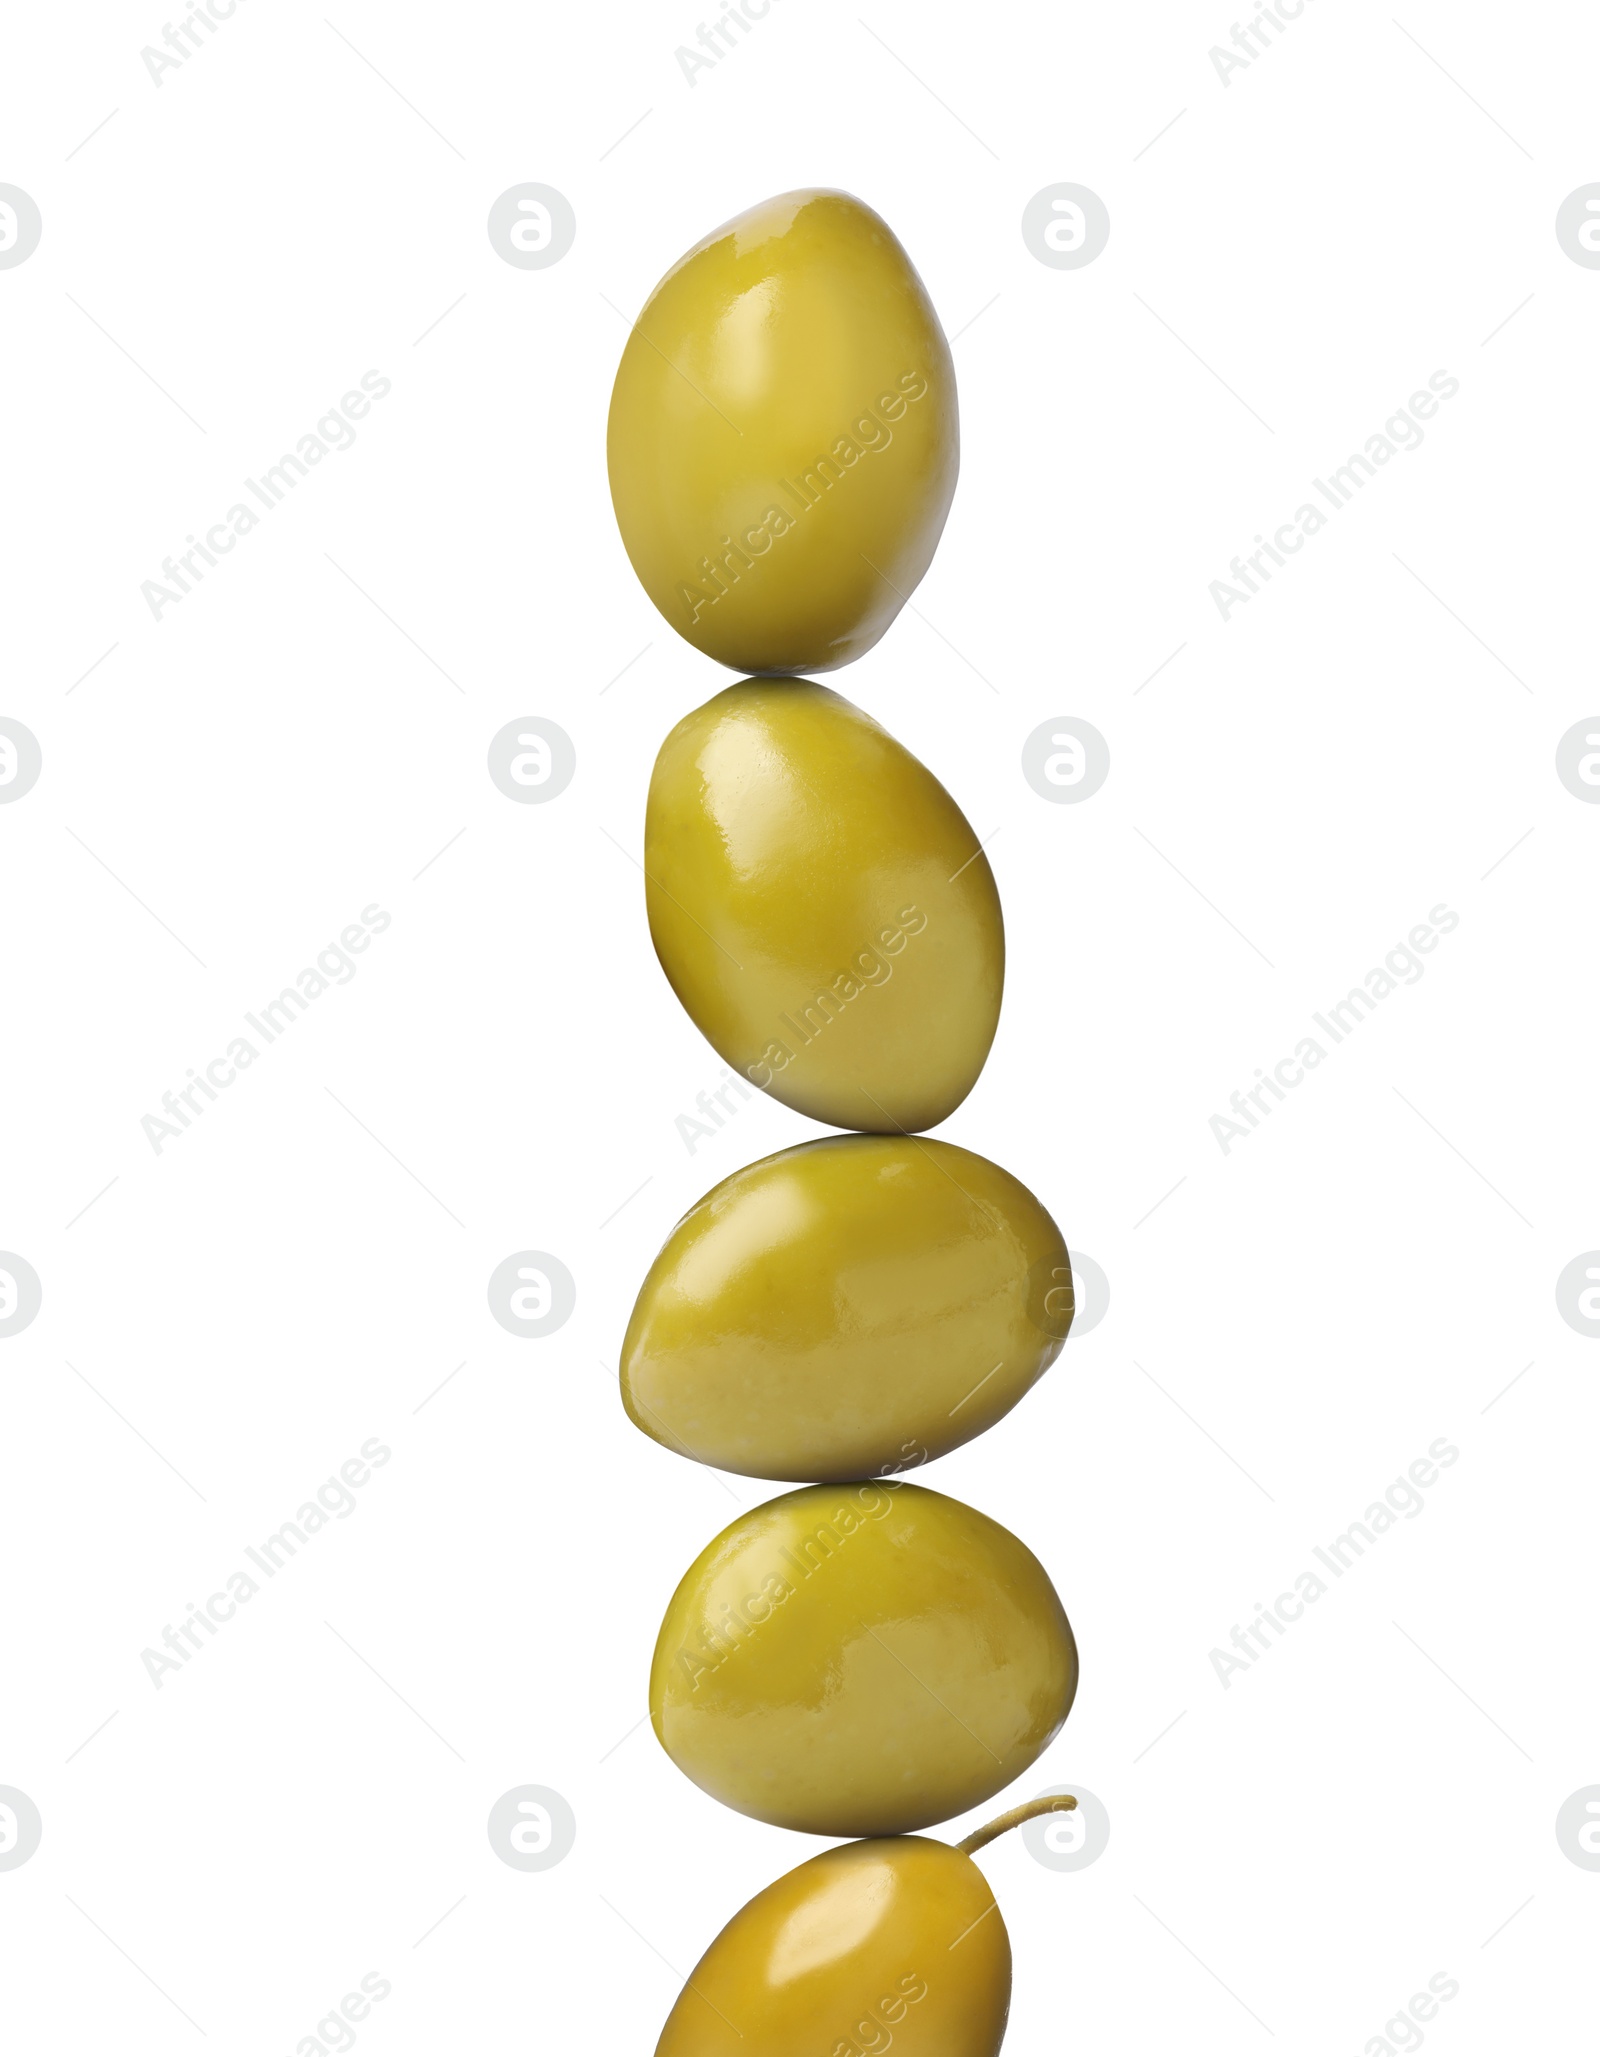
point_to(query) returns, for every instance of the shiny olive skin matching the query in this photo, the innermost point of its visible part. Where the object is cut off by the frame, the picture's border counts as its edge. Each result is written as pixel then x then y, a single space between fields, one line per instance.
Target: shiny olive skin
pixel 783 441
pixel 896 1941
pixel 850 1306
pixel 861 1660
pixel 821 907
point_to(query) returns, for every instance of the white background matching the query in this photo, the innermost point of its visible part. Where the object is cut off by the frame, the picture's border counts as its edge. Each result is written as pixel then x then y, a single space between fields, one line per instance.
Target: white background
pixel 1374 1801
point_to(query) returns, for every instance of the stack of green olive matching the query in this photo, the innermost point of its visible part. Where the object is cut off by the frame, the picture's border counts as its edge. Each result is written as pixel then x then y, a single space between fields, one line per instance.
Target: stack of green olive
pixel 860 1657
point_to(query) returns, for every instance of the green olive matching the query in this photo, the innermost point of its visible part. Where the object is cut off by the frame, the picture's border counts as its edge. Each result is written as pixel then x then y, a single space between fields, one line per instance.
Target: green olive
pixel 893 1942
pixel 851 1306
pixel 860 1660
pixel 822 908
pixel 783 441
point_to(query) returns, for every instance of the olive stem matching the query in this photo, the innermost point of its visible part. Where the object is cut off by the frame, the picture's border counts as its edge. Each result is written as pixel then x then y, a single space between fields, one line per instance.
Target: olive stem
pixel 1053 1803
